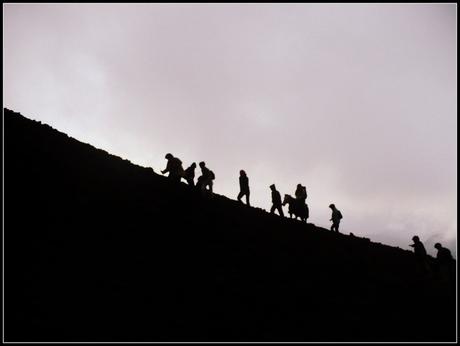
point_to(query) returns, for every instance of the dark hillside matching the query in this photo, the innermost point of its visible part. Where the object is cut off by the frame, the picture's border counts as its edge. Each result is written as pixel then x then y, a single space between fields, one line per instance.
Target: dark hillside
pixel 99 249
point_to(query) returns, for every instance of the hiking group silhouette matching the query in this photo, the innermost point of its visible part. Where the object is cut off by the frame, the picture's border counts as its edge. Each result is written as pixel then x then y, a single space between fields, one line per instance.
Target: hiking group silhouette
pixel 297 206
pixel 177 172
pixel 443 267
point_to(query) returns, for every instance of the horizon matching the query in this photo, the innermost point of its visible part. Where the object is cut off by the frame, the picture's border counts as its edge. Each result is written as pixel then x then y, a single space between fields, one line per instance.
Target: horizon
pixel 356 102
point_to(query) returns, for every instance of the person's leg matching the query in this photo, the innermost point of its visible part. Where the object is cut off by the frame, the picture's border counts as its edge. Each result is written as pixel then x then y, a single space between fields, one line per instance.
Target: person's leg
pixel 241 194
pixel 272 210
pixel 247 198
pixel 335 226
pixel 280 210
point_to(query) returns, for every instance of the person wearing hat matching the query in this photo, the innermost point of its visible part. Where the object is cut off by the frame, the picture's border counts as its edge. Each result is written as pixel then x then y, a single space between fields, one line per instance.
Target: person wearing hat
pixel 174 167
pixel 276 200
pixel 335 218
pixel 419 248
pixel 420 254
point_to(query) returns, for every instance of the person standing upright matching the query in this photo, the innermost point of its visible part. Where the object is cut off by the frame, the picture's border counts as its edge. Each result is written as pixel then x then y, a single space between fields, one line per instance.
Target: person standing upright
pixel 244 187
pixel 301 197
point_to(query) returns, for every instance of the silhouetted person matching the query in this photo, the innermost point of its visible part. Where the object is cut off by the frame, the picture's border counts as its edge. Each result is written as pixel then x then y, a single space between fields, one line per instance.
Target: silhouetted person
pixel 276 200
pixel 301 193
pixel 445 264
pixel 420 255
pixel 174 167
pixel 206 178
pixel 336 217
pixel 301 197
pixel 189 174
pixel 244 187
pixel 419 249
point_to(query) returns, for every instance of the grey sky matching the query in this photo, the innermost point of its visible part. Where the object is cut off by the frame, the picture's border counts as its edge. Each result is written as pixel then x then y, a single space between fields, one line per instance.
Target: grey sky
pixel 356 101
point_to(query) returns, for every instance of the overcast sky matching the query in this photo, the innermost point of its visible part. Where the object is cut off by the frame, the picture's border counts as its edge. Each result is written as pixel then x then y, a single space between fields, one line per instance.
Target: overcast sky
pixel 356 101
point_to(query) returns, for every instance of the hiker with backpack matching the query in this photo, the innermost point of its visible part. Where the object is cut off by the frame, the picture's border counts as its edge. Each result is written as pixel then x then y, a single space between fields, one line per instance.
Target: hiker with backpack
pixel 174 167
pixel 189 174
pixel 336 217
pixel 206 178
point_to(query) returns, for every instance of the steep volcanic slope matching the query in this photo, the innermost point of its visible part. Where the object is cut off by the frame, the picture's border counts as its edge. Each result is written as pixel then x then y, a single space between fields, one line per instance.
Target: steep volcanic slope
pixel 99 249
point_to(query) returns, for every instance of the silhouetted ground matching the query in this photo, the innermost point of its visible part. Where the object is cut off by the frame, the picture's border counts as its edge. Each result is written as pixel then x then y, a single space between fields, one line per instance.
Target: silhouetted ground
pixel 99 249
